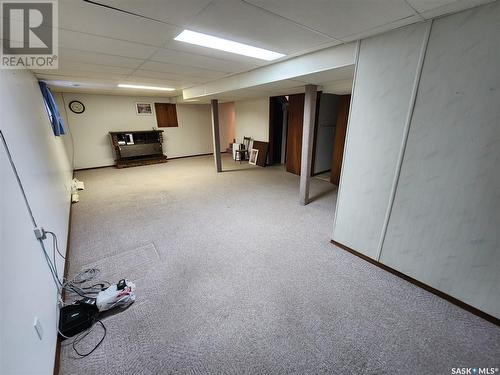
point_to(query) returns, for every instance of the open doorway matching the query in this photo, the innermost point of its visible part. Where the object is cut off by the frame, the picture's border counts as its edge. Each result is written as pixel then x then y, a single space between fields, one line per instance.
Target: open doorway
pixel 286 116
pixel 278 124
pixel 329 136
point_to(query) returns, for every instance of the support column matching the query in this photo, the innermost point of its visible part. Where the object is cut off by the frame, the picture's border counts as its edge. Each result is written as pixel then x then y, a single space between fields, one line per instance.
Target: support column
pixel 216 134
pixel 307 142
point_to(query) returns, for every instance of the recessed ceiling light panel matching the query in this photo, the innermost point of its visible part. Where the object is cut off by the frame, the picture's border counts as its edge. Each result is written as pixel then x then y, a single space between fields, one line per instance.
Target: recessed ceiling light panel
pixel 210 41
pixel 141 87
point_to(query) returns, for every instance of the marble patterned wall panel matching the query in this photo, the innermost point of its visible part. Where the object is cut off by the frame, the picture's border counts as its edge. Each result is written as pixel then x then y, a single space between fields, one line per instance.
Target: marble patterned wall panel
pixel 445 223
pixel 384 80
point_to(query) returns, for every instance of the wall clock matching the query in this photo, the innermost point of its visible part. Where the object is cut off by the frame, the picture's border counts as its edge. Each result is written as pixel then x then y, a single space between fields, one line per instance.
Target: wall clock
pixel 76 106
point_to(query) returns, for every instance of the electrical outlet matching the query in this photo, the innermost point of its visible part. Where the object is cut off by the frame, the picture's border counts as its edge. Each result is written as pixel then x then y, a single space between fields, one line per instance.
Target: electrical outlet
pixel 40 233
pixel 38 327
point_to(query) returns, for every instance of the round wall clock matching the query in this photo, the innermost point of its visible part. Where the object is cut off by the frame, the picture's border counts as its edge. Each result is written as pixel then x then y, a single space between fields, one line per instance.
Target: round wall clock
pixel 76 106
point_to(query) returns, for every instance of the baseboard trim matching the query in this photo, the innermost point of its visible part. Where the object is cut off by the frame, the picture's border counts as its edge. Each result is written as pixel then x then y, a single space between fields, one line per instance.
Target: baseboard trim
pixel 90 168
pixel 190 156
pixel 176 157
pixel 422 285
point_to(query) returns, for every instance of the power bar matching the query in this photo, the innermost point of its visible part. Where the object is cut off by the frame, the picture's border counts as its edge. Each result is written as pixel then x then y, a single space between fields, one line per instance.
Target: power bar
pixel 40 233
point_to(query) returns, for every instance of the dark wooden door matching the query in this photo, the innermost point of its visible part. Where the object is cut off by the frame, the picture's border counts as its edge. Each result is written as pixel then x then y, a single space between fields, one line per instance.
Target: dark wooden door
pixel 275 128
pixel 166 115
pixel 294 133
pixel 339 140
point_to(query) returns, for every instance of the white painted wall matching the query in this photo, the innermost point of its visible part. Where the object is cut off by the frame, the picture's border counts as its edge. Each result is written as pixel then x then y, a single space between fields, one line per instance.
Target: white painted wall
pixel 26 286
pixel 252 119
pixel 194 134
pixel 105 113
pixel 443 226
pixel 227 120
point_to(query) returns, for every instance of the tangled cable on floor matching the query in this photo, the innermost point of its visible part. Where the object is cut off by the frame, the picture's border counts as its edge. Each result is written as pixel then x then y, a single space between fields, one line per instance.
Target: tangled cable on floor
pixel 76 287
pixel 78 338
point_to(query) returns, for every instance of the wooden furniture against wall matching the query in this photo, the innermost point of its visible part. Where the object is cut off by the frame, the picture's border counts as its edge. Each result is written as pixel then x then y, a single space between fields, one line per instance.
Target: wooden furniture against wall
pixel 133 148
pixel 339 138
pixel 166 115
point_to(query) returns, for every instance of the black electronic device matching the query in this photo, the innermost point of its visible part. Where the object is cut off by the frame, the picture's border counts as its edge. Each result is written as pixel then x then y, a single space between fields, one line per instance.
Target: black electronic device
pixel 121 284
pixel 76 318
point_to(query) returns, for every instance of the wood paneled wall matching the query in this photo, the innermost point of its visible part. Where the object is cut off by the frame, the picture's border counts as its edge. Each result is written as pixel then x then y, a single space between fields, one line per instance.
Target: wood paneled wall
pixel 294 134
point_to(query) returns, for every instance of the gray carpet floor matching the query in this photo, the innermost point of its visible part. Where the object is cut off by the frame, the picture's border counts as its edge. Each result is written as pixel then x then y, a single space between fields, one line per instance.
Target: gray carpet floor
pixel 235 277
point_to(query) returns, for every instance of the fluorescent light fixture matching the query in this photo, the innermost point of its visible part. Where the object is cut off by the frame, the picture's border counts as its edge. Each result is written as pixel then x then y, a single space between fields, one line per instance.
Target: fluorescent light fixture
pixel 210 41
pixel 126 86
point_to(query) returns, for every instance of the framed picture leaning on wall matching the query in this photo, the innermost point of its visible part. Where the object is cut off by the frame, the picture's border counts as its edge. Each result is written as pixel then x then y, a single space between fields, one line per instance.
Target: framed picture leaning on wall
pixel 253 156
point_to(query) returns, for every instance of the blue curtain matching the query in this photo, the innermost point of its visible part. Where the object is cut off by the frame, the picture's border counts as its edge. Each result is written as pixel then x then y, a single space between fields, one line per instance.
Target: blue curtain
pixel 54 115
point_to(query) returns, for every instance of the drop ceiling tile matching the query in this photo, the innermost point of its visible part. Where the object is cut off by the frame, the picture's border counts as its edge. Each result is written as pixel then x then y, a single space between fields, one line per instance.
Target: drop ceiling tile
pixel 425 5
pixel 110 90
pixel 71 75
pixel 70 80
pixel 151 75
pixel 195 60
pixel 68 54
pixel 175 12
pixel 89 18
pixel 242 22
pixel 98 44
pixel 382 28
pixel 430 9
pixel 181 69
pixel 159 83
pixel 100 86
pixel 78 84
pixel 178 85
pixel 339 18
pixel 85 67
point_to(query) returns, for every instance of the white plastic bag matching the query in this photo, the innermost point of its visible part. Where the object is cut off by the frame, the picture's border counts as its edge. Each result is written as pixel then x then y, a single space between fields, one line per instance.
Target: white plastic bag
pixel 112 297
